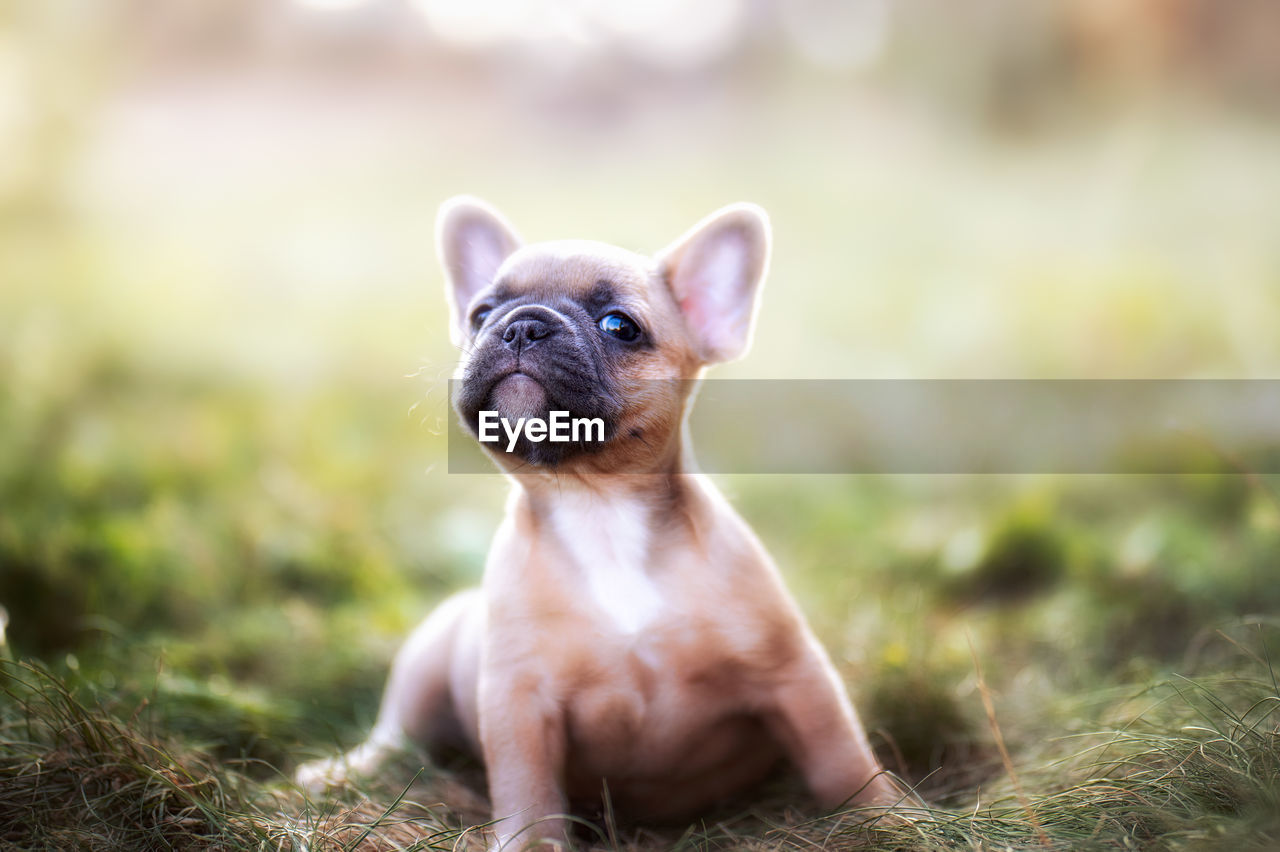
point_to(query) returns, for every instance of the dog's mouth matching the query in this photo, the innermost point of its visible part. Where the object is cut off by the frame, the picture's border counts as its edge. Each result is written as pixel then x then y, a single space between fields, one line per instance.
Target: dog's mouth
pixel 519 412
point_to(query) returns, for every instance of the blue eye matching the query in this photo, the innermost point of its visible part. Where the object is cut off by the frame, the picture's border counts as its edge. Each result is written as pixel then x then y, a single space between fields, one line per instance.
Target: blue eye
pixel 620 326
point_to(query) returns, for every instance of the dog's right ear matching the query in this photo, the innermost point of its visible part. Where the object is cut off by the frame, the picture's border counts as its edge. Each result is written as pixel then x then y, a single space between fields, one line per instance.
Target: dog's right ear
pixel 473 240
pixel 715 271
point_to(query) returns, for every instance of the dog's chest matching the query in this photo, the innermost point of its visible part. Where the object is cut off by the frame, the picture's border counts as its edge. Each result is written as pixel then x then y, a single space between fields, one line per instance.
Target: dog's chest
pixel 608 542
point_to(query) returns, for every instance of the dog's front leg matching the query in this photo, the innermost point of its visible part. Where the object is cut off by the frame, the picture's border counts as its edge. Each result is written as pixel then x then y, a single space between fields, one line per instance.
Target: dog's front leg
pixel 815 722
pixel 523 735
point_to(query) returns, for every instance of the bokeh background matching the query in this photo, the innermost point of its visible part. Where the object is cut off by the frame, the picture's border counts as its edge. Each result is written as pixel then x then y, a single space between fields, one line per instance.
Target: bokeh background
pixel 223 355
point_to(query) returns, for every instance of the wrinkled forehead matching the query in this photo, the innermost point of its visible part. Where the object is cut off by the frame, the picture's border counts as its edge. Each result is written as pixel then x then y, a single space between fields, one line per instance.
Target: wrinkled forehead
pixel 573 268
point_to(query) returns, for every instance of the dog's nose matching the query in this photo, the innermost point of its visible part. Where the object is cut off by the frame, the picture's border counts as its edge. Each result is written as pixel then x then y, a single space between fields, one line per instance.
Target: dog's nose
pixel 526 331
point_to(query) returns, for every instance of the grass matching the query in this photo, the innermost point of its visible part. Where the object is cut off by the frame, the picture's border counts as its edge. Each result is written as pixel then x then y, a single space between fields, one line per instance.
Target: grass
pixel 78 773
pixel 1197 767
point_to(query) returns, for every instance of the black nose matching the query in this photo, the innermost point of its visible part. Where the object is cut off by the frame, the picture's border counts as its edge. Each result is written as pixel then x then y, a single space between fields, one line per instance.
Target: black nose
pixel 525 332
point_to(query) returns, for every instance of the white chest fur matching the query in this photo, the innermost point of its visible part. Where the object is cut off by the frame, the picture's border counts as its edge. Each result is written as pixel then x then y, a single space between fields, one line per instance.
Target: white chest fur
pixel 608 540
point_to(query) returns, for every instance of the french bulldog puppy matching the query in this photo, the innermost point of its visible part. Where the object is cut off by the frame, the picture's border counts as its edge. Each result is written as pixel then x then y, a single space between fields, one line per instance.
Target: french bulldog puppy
pixel 630 631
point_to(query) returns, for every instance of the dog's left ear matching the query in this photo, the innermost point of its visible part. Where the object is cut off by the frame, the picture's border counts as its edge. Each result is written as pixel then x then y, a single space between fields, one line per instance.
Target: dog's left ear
pixel 473 240
pixel 715 271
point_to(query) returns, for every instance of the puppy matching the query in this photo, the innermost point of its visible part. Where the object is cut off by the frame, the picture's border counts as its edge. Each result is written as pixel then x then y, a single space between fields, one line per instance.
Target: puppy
pixel 630 631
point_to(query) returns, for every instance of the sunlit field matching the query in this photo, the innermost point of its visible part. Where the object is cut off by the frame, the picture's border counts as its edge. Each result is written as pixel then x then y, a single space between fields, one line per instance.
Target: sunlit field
pixel 224 496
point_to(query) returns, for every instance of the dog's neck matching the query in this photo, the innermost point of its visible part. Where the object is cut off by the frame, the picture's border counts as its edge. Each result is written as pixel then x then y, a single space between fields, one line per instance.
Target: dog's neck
pixel 657 494
pixel 609 532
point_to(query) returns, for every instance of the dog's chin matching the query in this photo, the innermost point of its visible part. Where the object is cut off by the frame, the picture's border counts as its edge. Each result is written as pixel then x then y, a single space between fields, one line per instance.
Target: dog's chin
pixel 519 396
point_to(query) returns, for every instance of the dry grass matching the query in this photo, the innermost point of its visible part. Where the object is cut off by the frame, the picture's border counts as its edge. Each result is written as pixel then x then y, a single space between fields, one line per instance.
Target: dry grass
pixel 1198 767
pixel 74 776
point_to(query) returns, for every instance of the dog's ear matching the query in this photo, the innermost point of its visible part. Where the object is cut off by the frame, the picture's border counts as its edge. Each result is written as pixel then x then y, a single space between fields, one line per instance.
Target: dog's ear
pixel 473 239
pixel 715 271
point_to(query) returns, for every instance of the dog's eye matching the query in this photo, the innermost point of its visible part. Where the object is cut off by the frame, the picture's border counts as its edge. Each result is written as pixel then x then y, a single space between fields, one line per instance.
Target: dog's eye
pixel 479 315
pixel 620 326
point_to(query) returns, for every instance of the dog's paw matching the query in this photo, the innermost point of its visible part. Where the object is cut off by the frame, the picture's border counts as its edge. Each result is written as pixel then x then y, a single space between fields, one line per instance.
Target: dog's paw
pixel 363 761
pixel 320 776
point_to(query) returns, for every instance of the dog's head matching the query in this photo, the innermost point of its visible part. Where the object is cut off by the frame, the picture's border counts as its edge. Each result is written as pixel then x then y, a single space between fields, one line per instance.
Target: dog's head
pixel 596 331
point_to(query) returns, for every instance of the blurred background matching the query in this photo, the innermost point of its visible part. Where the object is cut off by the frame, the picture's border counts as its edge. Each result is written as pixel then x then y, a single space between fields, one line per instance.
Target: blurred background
pixel 222 335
